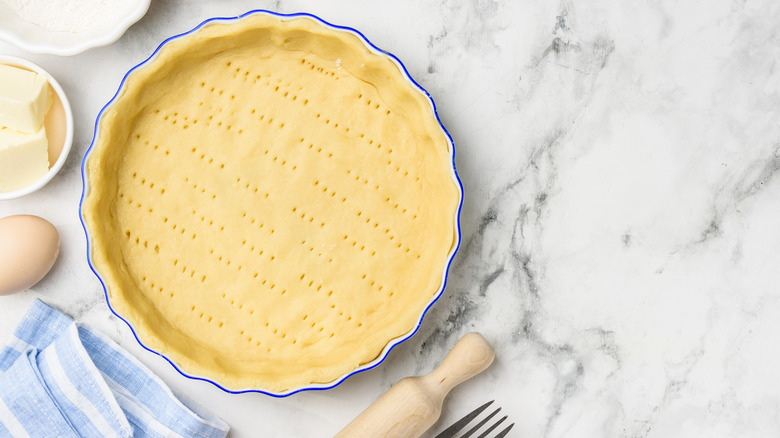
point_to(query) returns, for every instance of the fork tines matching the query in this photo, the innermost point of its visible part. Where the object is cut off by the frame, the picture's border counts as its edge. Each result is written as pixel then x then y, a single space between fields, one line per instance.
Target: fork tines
pixel 451 431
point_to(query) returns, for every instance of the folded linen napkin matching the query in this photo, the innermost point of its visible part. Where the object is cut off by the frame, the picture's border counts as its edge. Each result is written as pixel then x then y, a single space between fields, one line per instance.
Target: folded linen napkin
pixel 60 379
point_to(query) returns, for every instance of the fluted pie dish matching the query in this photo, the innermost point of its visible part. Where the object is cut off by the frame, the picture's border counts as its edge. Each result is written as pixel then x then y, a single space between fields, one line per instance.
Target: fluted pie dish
pixel 271 203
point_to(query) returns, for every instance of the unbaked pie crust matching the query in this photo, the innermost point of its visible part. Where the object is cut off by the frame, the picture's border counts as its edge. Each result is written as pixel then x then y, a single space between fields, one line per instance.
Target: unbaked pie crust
pixel 270 203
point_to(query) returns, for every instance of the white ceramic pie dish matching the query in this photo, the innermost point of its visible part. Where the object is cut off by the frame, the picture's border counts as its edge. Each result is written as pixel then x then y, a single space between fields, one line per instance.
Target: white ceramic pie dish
pixel 391 343
pixel 36 39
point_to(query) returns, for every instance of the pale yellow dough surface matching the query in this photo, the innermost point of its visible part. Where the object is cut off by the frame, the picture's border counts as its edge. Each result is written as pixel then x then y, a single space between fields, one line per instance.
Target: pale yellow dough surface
pixel 270 203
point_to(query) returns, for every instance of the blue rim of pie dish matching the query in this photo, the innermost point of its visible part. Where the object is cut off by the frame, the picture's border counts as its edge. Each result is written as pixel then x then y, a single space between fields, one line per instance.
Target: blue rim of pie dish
pixel 392 343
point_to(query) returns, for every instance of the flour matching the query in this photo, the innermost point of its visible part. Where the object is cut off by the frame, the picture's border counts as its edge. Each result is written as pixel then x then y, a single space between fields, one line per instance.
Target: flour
pixel 75 16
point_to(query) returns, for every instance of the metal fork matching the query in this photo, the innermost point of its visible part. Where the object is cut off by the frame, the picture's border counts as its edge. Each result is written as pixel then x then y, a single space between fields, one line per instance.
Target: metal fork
pixel 463 422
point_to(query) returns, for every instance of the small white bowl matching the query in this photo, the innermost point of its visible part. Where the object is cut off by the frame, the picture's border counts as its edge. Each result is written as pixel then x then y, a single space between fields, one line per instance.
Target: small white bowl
pixel 35 39
pixel 60 109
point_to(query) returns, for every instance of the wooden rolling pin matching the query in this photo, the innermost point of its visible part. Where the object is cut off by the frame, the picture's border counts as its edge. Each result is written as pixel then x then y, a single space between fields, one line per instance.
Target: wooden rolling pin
pixel 414 404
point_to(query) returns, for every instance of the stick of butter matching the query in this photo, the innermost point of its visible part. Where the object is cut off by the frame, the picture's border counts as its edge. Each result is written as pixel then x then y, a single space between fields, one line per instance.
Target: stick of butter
pixel 25 97
pixel 24 158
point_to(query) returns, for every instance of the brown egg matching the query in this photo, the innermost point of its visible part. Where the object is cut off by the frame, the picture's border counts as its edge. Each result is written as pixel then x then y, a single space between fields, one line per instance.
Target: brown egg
pixel 29 246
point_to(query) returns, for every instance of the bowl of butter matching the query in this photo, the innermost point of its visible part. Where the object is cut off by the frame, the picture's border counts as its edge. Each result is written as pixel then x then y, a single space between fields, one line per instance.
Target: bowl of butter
pixel 36 127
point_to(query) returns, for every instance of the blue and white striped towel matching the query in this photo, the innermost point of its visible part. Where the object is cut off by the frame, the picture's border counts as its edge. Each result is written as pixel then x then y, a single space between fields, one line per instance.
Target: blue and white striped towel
pixel 60 379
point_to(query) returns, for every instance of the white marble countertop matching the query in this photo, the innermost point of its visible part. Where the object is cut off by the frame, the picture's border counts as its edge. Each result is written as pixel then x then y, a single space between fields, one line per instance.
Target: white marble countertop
pixel 621 237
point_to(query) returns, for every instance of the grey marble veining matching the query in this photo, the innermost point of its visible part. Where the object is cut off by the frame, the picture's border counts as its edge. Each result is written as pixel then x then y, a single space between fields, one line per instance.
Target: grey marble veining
pixel 620 222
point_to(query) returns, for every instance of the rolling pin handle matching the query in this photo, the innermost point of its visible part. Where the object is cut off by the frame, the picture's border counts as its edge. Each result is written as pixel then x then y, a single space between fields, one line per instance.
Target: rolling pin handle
pixel 470 356
pixel 413 405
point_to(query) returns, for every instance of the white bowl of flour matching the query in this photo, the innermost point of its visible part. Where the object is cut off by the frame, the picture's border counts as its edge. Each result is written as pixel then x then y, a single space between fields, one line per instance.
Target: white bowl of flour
pixel 67 27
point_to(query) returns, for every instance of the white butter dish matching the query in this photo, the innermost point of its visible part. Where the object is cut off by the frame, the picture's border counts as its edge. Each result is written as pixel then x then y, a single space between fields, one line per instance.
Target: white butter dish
pixel 58 124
